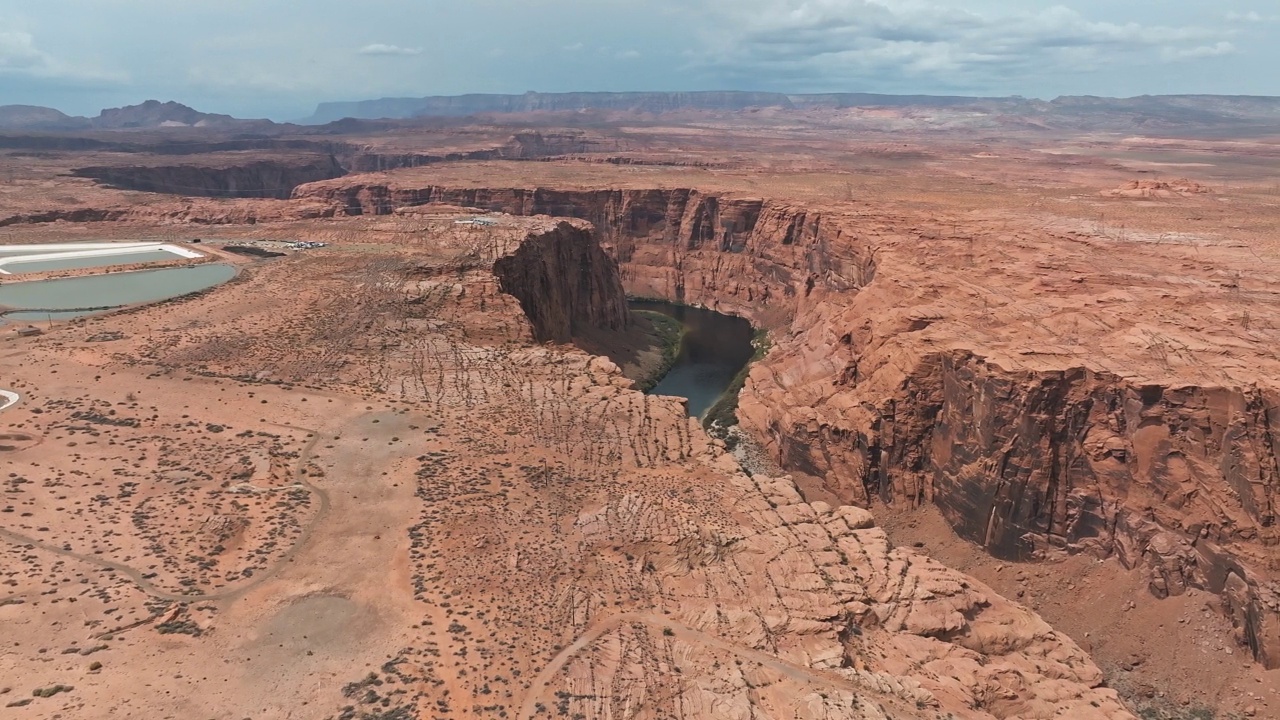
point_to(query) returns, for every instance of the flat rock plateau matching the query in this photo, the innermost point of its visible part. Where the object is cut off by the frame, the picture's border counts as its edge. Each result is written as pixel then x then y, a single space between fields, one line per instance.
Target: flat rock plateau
pixel 1009 449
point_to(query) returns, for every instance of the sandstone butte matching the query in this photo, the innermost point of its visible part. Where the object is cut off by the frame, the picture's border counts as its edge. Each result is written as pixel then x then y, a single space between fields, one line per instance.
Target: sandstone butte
pixel 376 481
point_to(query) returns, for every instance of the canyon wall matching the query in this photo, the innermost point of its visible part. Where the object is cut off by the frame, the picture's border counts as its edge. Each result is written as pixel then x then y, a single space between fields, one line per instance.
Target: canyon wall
pixel 905 393
pixel 1178 478
pixel 523 145
pixel 230 176
pixel 744 256
pixel 260 179
pixel 565 283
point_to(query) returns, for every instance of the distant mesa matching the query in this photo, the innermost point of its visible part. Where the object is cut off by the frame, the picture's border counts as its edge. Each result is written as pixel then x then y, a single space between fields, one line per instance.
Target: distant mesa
pixel 644 102
pixel 1151 112
pixel 148 115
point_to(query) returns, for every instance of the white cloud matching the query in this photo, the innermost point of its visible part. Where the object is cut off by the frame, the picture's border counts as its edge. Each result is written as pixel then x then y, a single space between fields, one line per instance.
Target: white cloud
pixel 19 56
pixel 628 55
pixel 250 78
pixel 572 48
pixel 382 49
pixel 886 42
pixel 1202 51
pixel 1251 17
pixel 18 52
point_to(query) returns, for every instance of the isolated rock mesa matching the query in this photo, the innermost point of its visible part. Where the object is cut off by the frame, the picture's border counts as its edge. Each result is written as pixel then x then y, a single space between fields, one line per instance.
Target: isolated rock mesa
pixel 884 382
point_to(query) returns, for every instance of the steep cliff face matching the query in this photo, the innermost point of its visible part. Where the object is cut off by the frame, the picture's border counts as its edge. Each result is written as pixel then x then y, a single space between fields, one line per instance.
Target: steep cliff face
pixel 260 179
pixel 78 215
pixel 524 145
pixel 361 161
pixel 744 256
pixel 1179 481
pixel 299 161
pixel 565 283
pixel 1035 437
pixel 539 144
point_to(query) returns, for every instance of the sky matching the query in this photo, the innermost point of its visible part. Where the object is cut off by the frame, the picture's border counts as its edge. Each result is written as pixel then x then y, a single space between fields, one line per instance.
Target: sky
pixel 277 59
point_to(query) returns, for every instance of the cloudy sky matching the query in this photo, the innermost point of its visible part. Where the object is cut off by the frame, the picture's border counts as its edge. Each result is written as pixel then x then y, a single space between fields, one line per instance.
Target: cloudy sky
pixel 256 58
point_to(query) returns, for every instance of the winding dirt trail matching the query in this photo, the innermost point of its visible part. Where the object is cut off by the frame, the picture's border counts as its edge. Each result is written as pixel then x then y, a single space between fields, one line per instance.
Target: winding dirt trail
pixel 799 673
pixel 150 588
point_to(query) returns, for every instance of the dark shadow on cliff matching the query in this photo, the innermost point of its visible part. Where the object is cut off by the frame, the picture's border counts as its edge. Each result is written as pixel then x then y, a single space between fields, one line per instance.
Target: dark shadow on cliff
pixel 645 350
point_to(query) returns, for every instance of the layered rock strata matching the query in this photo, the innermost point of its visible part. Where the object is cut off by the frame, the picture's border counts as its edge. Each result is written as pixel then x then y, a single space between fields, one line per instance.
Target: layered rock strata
pixel 744 256
pixel 1053 418
pixel 259 179
pixel 565 283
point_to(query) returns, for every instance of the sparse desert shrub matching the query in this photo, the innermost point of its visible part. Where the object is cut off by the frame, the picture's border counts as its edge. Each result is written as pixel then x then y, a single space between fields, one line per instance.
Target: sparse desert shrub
pixel 51 690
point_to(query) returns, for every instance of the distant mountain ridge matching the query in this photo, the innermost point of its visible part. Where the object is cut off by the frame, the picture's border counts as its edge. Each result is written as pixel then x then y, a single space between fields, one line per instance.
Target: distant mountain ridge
pixel 146 115
pixel 34 117
pixel 1176 109
pixel 652 102
pixel 1142 113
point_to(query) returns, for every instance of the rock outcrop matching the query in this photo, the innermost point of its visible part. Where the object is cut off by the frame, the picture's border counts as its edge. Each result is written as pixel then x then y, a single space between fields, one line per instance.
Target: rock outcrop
pixel 565 283
pixel 1157 189
pixel 156 114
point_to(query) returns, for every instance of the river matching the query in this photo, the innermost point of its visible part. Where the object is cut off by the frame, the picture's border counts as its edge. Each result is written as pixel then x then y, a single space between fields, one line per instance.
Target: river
pixel 714 348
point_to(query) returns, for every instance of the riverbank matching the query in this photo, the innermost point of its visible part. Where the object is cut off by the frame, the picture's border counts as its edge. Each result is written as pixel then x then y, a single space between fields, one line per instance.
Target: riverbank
pixel 713 349
pixel 645 351
pixel 723 414
pixel 666 334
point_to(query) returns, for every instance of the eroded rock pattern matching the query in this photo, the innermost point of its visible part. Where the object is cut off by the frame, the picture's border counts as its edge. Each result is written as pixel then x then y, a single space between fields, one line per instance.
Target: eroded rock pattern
pixel 1042 408
pixel 486 527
